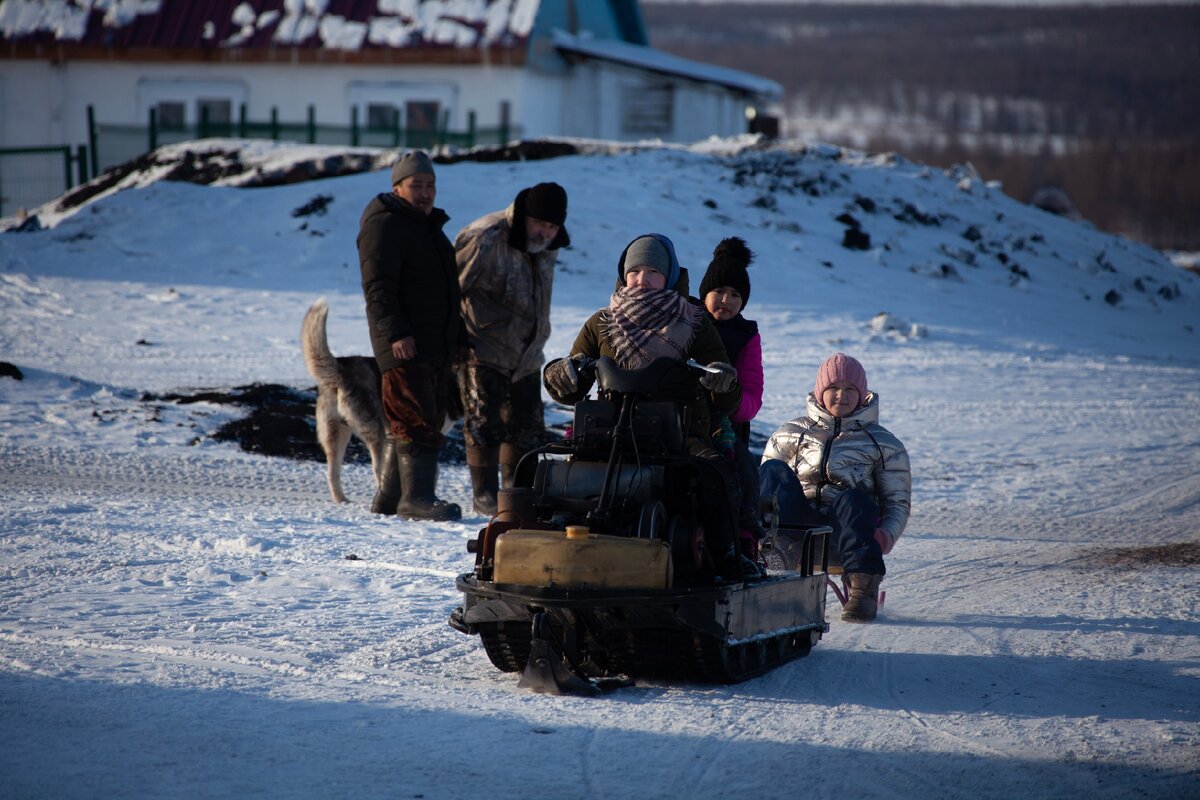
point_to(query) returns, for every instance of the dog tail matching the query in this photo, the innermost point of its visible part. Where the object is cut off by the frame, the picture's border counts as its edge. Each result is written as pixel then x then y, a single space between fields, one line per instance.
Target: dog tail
pixel 317 356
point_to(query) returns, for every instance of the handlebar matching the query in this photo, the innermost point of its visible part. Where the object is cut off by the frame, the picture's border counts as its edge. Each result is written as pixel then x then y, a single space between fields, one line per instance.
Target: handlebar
pixel 694 364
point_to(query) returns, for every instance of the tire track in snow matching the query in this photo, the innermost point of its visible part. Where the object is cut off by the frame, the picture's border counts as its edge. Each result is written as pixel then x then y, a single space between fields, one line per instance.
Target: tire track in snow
pixel 149 474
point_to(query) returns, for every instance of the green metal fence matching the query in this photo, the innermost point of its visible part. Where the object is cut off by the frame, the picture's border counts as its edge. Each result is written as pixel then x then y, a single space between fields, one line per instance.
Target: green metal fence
pixel 31 176
pixel 116 144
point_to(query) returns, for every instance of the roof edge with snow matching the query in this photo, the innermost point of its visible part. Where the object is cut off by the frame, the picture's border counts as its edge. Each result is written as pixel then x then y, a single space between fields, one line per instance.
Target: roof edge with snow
pixel 648 58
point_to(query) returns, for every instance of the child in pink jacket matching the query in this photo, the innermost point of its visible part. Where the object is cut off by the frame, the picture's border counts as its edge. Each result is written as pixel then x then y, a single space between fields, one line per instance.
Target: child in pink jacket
pixel 724 292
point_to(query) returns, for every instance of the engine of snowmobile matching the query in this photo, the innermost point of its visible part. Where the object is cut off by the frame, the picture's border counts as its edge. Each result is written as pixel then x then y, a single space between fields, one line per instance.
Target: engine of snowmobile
pixel 623 484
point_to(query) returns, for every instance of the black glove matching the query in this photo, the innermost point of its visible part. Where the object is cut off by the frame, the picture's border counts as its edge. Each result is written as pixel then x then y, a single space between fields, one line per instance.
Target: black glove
pixel 561 378
pixel 719 382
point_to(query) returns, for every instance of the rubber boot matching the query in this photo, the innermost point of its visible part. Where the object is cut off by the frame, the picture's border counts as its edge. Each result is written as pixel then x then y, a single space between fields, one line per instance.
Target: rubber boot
pixel 482 463
pixel 863 603
pixel 387 496
pixel 510 457
pixel 418 478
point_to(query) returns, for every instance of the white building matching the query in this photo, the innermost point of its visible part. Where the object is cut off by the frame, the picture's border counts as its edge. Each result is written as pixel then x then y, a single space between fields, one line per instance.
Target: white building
pixel 530 68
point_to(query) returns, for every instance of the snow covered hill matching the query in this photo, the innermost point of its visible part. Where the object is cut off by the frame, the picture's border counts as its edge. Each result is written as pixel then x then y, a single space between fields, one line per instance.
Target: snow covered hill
pixel 178 616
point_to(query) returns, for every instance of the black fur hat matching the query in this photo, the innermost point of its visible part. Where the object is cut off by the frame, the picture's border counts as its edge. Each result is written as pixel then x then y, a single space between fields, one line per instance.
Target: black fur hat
pixel 731 259
pixel 546 201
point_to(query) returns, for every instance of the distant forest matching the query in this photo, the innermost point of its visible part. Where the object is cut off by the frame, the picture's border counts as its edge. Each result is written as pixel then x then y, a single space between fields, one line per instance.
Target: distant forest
pixel 1102 102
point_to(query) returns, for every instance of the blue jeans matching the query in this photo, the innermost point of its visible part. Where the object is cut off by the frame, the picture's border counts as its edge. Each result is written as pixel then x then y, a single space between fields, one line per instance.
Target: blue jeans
pixel 853 516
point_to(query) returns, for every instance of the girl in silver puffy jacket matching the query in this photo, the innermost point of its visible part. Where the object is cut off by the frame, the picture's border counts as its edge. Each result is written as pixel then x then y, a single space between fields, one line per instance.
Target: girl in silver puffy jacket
pixel 838 466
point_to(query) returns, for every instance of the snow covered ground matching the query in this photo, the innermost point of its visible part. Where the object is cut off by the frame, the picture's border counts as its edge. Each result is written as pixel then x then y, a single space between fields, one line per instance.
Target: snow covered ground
pixel 178 617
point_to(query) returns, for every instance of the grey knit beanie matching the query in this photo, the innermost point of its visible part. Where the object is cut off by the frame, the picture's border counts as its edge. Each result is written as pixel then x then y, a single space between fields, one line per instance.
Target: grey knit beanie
pixel 647 251
pixel 409 164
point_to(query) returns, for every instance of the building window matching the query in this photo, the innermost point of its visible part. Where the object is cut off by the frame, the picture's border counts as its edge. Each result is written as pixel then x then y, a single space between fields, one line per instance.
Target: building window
pixel 382 116
pixel 217 114
pixel 648 109
pixel 421 115
pixel 171 115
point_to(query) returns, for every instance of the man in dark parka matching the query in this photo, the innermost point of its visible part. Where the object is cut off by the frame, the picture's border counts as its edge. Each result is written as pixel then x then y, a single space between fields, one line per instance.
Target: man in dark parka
pixel 410 282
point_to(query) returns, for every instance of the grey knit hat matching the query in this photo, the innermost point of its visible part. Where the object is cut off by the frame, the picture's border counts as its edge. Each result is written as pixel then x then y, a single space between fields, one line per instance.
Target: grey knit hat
pixel 647 251
pixel 409 164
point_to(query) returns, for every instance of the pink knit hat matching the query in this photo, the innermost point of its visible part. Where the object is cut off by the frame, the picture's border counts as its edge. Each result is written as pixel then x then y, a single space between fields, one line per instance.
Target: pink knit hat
pixel 841 367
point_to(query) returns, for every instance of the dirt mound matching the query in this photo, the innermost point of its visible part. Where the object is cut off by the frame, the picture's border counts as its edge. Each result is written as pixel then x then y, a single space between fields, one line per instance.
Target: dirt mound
pixel 281 421
pixel 1182 554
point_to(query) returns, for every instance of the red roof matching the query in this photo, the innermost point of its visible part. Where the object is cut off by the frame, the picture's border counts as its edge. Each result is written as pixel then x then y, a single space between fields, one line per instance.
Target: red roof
pixel 345 25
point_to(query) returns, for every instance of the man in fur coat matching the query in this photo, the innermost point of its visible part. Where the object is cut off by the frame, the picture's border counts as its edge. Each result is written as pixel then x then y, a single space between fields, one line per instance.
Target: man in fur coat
pixel 506 273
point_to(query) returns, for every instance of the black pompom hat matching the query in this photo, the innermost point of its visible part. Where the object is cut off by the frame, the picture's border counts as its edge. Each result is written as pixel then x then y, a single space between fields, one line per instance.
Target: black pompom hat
pixel 731 259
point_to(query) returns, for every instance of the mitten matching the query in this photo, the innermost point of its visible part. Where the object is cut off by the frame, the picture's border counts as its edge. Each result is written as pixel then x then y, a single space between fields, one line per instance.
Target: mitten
pixel 561 378
pixel 721 381
pixel 885 542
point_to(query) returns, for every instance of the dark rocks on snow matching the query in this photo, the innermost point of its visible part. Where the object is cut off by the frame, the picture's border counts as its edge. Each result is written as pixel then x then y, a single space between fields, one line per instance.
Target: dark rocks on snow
pixel 855 239
pixel 1182 554
pixel 525 150
pixel 865 203
pixel 8 370
pixel 281 421
pixel 192 167
pixel 209 166
pixel 1112 297
pixel 1103 263
pixel 912 214
pixel 1168 291
pixel 765 202
pixel 788 172
pixel 318 205
pixel 972 234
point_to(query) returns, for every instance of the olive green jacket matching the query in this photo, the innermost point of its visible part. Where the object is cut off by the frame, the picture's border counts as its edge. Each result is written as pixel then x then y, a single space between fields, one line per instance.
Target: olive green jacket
pixel 681 385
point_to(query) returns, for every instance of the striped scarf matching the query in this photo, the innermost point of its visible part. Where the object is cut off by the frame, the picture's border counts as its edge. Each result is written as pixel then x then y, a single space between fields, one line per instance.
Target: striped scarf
pixel 645 324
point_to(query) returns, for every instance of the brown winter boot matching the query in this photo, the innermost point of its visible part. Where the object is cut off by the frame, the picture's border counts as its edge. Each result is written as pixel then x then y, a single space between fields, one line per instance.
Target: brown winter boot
pixel 863 602
pixel 510 456
pixel 482 463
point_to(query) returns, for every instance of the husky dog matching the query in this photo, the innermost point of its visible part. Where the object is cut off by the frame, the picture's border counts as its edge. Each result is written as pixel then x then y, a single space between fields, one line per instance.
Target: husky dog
pixel 348 399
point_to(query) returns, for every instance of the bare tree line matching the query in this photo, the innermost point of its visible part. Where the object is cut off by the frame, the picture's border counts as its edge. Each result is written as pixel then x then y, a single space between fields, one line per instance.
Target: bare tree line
pixel 1101 101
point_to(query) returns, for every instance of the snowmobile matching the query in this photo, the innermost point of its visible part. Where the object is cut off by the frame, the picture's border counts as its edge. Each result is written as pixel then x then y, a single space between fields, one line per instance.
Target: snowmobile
pixel 595 571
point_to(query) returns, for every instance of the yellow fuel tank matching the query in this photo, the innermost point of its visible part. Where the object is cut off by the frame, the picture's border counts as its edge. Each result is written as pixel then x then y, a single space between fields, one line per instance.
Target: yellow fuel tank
pixel 580 559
